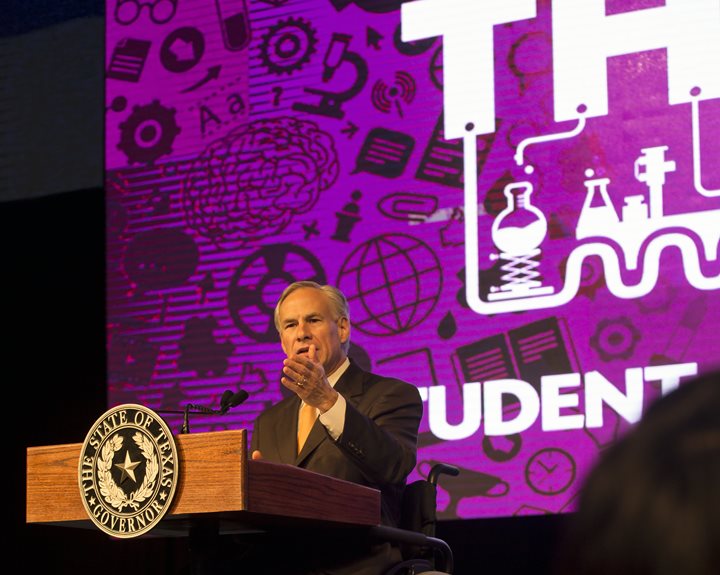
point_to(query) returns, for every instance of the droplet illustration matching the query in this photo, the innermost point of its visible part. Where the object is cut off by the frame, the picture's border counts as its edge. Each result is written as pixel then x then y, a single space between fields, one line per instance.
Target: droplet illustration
pixel 448 326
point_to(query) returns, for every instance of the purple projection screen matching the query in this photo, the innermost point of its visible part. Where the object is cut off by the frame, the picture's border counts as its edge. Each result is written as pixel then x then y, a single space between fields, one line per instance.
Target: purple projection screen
pixel 519 199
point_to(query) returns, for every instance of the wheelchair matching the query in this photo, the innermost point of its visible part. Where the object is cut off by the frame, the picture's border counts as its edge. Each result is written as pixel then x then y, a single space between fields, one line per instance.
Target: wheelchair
pixel 422 552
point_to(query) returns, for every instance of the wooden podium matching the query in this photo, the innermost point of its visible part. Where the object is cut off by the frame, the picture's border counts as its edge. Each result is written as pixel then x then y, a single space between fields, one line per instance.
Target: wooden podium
pixel 217 482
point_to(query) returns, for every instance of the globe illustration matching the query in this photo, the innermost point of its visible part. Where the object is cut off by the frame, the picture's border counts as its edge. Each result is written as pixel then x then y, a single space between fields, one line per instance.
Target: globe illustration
pixel 392 283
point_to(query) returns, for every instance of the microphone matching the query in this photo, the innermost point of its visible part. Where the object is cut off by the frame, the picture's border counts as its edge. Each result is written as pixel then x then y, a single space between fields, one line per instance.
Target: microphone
pixel 230 400
pixel 227 401
pixel 227 394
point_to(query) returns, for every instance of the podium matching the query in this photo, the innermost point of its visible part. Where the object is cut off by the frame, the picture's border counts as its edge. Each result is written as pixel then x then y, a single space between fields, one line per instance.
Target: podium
pixel 218 485
pixel 221 492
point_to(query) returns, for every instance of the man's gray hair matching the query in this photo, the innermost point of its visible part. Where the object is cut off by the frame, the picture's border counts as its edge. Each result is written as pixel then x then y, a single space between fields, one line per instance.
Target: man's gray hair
pixel 336 298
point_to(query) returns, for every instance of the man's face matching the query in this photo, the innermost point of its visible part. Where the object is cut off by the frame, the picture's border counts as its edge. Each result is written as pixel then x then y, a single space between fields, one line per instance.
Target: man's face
pixel 306 317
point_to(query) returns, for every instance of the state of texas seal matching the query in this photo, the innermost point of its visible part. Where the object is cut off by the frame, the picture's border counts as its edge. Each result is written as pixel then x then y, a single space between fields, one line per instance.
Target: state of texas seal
pixel 128 470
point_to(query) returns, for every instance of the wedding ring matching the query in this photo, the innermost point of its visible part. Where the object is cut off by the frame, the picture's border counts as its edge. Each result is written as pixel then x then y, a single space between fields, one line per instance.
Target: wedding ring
pixel 301 383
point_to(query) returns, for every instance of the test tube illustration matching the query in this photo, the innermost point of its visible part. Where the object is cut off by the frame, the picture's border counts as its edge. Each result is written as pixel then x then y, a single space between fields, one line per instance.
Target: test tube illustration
pixel 234 23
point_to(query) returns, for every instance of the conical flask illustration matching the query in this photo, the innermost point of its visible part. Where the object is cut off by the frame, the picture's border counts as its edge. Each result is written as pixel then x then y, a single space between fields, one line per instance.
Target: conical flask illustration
pixel 598 214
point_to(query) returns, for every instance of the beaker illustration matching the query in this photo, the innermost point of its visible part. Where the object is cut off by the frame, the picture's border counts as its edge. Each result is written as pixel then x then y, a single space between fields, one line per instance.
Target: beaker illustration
pixel 518 232
pixel 598 216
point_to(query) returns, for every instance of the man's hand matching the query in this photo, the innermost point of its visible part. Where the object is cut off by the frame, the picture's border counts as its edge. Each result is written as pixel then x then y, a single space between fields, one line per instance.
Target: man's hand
pixel 305 376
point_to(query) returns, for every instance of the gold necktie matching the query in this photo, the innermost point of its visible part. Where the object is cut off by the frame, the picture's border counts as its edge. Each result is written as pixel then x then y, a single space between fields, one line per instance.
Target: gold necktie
pixel 308 415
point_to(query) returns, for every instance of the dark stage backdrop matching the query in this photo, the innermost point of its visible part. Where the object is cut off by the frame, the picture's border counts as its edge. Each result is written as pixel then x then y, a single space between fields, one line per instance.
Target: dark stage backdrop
pixel 518 197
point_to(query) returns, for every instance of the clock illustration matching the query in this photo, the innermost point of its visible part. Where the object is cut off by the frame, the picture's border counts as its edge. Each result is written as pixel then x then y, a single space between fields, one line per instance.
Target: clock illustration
pixel 550 471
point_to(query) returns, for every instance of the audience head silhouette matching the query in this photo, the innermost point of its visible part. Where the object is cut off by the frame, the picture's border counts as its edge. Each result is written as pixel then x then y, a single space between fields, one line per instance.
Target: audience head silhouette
pixel 651 506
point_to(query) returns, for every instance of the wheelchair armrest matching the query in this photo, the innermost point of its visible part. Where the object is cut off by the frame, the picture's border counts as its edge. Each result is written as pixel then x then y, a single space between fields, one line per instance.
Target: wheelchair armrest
pixel 439 469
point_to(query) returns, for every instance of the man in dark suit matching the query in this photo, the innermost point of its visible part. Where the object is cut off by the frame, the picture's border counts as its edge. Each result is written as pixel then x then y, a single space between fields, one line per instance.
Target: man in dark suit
pixel 363 427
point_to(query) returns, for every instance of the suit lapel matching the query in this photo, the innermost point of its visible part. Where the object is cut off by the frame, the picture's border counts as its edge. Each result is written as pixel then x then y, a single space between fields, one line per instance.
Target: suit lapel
pixel 350 385
pixel 286 431
pixel 316 437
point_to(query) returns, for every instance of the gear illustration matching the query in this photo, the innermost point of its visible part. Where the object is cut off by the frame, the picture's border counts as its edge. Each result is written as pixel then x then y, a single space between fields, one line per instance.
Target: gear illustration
pixel 148 133
pixel 615 339
pixel 288 45
pixel 258 276
pixel 591 277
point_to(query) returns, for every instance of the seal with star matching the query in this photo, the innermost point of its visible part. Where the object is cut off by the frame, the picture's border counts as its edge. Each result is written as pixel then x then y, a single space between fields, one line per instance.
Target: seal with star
pixel 128 470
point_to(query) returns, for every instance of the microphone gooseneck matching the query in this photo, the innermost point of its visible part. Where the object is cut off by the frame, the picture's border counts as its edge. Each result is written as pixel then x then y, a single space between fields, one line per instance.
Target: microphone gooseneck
pixel 186 420
pixel 202 409
pixel 227 401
